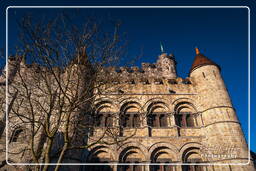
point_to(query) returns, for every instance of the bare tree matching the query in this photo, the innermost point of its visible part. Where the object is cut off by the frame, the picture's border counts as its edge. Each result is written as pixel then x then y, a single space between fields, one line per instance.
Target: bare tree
pixel 54 78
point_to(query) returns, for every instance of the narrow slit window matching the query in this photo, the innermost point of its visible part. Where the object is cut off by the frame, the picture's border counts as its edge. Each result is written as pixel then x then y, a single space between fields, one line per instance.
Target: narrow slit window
pixel 203 74
pixel 214 74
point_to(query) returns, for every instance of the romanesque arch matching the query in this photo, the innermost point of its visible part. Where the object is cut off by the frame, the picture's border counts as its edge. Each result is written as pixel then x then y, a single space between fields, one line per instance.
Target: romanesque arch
pixel 104 113
pixel 17 135
pixel 100 154
pixel 163 101
pixel 132 153
pixel 141 147
pixel 163 152
pixel 130 115
pixel 157 114
pixel 186 114
pixel 190 154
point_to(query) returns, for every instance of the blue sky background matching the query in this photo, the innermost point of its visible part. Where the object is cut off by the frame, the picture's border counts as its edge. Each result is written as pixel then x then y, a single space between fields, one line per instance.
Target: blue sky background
pixel 220 34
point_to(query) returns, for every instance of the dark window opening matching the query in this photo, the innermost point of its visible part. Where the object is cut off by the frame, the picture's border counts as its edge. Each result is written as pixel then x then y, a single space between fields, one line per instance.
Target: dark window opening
pixel 98 167
pixel 203 74
pixel 131 81
pixel 16 134
pixel 172 81
pixel 185 120
pixel 109 121
pixel 130 120
pixel 172 91
pixel 186 81
pixel 103 120
pixel 157 120
pixel 136 120
pixel 2 126
pixel 190 120
pixel 162 167
pixel 214 74
pixel 163 120
pixel 158 81
pixel 193 167
pixel 145 81
pixel 130 167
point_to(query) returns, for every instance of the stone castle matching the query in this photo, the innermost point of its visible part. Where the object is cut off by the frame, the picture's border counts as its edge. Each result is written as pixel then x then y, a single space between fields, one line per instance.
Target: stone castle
pixel 174 124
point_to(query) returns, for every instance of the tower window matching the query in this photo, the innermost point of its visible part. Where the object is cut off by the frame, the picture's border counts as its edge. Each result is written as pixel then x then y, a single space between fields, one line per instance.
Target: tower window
pixel 214 74
pixel 203 74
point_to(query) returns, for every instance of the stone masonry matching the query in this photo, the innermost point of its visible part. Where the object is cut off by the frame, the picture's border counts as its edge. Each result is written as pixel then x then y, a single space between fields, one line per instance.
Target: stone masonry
pixel 173 123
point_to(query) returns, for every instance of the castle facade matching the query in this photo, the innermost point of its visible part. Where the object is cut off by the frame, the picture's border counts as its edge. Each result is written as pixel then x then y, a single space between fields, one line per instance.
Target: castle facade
pixel 162 122
pixel 172 120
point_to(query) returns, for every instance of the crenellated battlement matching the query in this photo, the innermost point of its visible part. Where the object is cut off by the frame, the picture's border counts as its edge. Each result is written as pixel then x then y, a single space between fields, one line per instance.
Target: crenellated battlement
pixel 148 74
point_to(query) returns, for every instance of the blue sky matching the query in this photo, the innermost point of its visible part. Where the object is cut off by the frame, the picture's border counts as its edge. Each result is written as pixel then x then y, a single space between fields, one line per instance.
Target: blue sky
pixel 220 34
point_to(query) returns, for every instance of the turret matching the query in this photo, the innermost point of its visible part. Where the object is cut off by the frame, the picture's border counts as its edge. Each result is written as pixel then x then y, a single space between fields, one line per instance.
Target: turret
pixel 201 60
pixel 167 64
pixel 221 125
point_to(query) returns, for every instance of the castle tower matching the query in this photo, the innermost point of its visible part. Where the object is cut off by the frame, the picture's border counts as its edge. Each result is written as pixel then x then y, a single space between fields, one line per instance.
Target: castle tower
pixel 167 64
pixel 221 126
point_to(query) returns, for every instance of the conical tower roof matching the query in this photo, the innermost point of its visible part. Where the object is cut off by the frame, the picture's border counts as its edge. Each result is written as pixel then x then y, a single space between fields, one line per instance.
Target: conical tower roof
pixel 201 60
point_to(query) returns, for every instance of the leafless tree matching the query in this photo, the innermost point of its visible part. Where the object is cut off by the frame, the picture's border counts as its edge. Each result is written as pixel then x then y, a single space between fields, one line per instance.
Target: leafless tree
pixel 58 71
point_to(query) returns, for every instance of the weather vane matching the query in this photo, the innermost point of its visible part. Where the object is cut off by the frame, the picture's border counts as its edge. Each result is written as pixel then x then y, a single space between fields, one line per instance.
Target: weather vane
pixel 162 48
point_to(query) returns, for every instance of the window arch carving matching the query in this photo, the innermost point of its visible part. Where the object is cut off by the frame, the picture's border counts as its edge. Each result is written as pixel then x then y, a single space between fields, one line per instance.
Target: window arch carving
pixel 100 154
pixel 131 154
pixel 186 115
pixel 130 115
pixel 104 115
pixel 192 155
pixel 17 135
pixel 162 155
pixel 157 114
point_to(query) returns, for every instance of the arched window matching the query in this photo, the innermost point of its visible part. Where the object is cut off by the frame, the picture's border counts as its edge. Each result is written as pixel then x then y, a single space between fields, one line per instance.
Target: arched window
pixel 131 155
pixel 157 114
pixel 16 134
pixel 185 115
pixel 130 115
pixel 191 155
pixel 100 154
pixel 104 114
pixel 162 155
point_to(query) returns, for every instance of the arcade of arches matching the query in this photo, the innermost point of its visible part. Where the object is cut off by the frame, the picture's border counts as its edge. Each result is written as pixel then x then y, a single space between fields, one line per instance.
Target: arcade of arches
pixel 162 156
pixel 157 115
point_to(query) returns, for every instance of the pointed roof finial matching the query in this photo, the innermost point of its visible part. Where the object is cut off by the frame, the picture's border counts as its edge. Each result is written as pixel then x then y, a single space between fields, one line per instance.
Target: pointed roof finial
pixel 197 51
pixel 201 60
pixel 161 47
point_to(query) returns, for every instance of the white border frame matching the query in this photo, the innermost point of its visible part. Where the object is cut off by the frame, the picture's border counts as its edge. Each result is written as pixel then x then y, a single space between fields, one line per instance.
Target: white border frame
pixel 120 164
